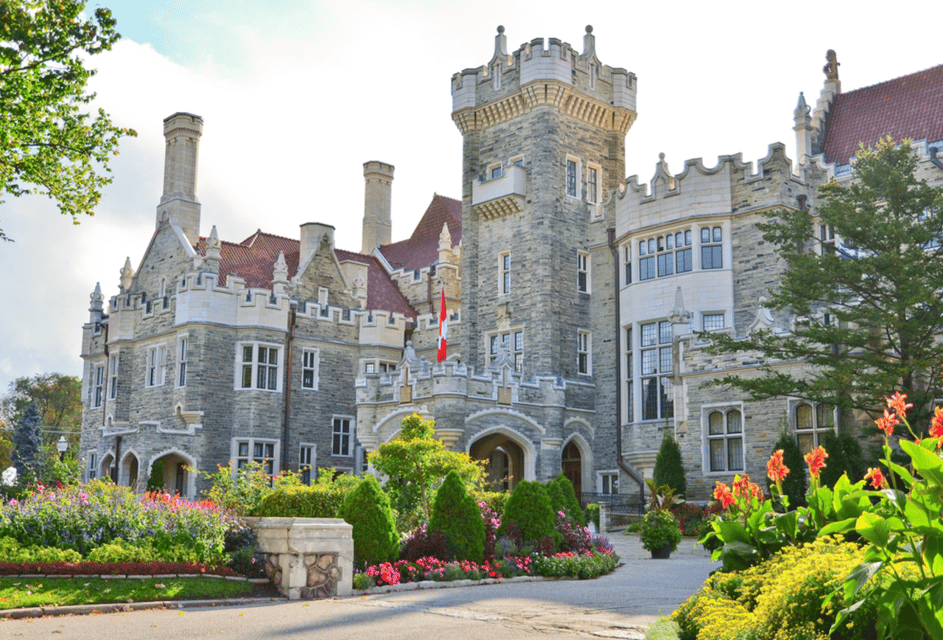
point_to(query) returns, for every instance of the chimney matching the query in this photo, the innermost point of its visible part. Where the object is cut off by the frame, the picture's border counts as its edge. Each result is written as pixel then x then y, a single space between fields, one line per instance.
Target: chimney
pixel 378 189
pixel 179 203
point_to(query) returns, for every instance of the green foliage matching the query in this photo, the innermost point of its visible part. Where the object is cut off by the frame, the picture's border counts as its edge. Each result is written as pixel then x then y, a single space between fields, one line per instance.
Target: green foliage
pixel 794 485
pixel 456 514
pixel 120 551
pixel 788 596
pixel 591 514
pixel 883 304
pixel 571 565
pixel 844 457
pixel 669 467
pixel 27 445
pixel 529 511
pixel 495 500
pixel 368 510
pixel 13 551
pixel 316 501
pixel 240 491
pixel 415 463
pixel 155 482
pixel 659 529
pixel 47 139
pixel 662 629
pixel 563 498
pixel 661 498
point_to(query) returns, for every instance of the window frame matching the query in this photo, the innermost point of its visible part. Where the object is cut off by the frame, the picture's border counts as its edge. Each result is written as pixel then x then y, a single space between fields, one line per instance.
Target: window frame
pixel 513 337
pixel 713 315
pixel 583 272
pixel 155 366
pixel 715 247
pixel 504 273
pixel 727 437
pixel 310 362
pixel 98 385
pixel 270 464
pixel 307 462
pixel 183 349
pixel 91 469
pixel 593 175
pixel 113 362
pixel 819 412
pixel 654 353
pixel 255 366
pixel 573 186
pixel 584 352
pixel 337 436
pixel 607 479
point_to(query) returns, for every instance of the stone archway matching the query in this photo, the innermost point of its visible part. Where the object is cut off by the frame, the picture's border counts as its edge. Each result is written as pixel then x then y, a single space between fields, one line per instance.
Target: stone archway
pixel 105 467
pixel 503 457
pixel 128 473
pixel 178 474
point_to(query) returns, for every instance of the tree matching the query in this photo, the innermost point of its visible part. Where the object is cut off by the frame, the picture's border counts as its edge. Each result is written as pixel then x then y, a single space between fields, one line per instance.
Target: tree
pixel 367 510
pixel 867 305
pixel 46 139
pixel 58 398
pixel 794 484
pixel 456 515
pixel 27 445
pixel 669 468
pixel 415 463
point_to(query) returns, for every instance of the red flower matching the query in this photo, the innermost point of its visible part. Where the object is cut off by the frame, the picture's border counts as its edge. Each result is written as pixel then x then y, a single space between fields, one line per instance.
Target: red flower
pixel 743 487
pixel 896 402
pixel 722 493
pixel 887 423
pixel 816 461
pixel 876 477
pixel 775 468
pixel 936 426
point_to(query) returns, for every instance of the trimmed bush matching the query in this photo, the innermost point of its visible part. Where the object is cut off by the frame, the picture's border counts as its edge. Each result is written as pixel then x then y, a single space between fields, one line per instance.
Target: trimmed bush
pixel 563 498
pixel 317 501
pixel 669 467
pixel 591 514
pixel 455 514
pixel 794 485
pixel 844 456
pixel 528 513
pixel 155 482
pixel 368 510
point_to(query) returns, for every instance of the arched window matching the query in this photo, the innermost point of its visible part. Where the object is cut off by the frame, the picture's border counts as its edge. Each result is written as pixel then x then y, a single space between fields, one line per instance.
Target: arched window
pixel 725 440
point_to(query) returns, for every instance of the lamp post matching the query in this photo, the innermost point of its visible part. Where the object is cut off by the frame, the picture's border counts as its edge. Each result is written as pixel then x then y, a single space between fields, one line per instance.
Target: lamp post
pixel 61 446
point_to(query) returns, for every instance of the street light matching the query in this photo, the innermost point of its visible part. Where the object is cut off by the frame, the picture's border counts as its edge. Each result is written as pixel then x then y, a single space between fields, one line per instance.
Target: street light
pixel 61 446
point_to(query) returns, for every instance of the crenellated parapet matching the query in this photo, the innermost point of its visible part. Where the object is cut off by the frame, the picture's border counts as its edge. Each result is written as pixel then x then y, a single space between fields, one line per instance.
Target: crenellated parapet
pixel 541 73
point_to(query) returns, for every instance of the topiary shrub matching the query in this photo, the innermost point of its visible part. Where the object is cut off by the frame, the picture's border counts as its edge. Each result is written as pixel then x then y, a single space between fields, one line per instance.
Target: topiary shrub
pixel 455 514
pixel 844 456
pixel 528 514
pixel 317 501
pixel 669 467
pixel 563 498
pixel 368 510
pixel 155 482
pixel 794 485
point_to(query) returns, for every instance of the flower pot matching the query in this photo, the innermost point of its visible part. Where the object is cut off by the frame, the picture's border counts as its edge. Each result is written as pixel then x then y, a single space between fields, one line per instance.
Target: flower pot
pixel 662 553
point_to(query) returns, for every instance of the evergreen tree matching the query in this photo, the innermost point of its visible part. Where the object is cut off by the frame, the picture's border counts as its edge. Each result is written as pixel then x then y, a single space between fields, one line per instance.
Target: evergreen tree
pixel 456 514
pixel 27 444
pixel 669 468
pixel 794 485
pixel 155 482
pixel 563 498
pixel 367 509
pixel 844 456
pixel 528 511
pixel 863 275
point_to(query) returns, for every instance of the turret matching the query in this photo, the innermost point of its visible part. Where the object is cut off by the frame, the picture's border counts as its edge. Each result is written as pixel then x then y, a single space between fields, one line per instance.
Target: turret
pixel 378 193
pixel 182 133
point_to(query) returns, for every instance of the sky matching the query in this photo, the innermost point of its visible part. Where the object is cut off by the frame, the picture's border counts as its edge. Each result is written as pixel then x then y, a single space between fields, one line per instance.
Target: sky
pixel 296 95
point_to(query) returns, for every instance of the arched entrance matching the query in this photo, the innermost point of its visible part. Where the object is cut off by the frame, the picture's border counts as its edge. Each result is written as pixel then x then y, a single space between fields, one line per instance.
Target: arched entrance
pixel 106 468
pixel 128 475
pixel 503 458
pixel 176 473
pixel 573 467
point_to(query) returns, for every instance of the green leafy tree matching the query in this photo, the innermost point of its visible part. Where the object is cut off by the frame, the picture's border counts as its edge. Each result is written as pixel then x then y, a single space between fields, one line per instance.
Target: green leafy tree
pixel 669 468
pixel 58 398
pixel 415 463
pixel 27 445
pixel 367 510
pixel 868 309
pixel 48 143
pixel 456 515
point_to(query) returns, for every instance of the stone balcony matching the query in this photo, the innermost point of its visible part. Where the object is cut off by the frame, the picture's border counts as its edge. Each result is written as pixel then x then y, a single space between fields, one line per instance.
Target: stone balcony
pixel 500 196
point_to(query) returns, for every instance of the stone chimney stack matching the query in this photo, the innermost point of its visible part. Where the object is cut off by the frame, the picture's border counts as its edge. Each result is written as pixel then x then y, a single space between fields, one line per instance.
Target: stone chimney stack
pixel 378 189
pixel 179 203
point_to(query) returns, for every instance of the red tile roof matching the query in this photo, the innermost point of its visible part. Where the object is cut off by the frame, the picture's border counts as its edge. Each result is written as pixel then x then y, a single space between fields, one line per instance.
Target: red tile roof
pixel 254 258
pixel 422 248
pixel 907 107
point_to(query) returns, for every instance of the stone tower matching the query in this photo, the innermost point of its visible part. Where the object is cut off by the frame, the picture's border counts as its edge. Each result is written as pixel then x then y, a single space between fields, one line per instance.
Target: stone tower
pixel 378 193
pixel 544 142
pixel 179 203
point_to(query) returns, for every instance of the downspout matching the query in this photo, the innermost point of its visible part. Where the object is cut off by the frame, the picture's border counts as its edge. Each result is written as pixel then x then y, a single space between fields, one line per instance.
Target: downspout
pixel 933 158
pixel 611 235
pixel 105 389
pixel 289 339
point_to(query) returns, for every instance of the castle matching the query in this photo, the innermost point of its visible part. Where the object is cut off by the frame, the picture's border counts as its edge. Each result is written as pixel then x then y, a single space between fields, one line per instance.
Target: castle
pixel 571 297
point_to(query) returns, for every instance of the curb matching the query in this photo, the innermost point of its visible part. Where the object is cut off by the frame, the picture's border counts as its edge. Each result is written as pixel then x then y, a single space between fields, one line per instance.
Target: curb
pixel 124 607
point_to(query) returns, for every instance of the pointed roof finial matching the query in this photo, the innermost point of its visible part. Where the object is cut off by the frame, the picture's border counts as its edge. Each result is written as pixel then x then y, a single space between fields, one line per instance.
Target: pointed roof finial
pixel 127 274
pixel 96 298
pixel 500 45
pixel 589 43
pixel 445 238
pixel 281 269
pixel 802 111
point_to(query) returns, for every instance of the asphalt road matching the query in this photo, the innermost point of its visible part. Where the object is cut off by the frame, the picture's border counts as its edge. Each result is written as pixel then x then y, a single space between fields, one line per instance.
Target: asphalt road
pixel 619 605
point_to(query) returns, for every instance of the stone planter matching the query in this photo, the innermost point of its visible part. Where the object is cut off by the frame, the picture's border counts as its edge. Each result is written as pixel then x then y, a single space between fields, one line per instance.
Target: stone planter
pixel 307 558
pixel 662 553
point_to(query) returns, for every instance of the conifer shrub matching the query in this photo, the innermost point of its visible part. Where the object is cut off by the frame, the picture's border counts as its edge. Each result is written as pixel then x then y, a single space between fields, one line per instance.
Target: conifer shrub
pixel 367 510
pixel 563 498
pixel 669 467
pixel 456 514
pixel 844 456
pixel 316 501
pixel 794 484
pixel 528 514
pixel 155 482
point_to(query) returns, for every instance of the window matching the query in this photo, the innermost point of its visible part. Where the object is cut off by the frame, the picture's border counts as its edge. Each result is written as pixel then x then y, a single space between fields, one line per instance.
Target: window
pixel 657 360
pixel 627 264
pixel 495 171
pixel 712 249
pixel 113 377
pixel 712 321
pixel 592 188
pixel 811 423
pixel 182 349
pixel 98 379
pixel 341 437
pixel 306 460
pixel 512 342
pixel 260 366
pixel 504 266
pixel 582 272
pixel 584 353
pixel 725 440
pixel 665 255
pixel 382 367
pixel 496 75
pixel 518 160
pixel 609 482
pixel 629 376
pixel 156 366
pixel 261 452
pixel 571 175
pixel 92 471
pixel 309 368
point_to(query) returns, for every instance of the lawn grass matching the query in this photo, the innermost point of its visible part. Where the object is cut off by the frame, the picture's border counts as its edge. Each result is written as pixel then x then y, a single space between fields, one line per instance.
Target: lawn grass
pixel 17 593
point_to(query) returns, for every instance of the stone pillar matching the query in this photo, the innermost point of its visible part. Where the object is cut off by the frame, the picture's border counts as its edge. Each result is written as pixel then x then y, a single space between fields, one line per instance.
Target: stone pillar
pixel 308 558
pixel 377 207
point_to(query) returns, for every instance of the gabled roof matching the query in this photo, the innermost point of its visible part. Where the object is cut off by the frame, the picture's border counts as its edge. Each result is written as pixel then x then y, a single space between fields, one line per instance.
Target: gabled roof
pixel 254 258
pixel 907 107
pixel 422 248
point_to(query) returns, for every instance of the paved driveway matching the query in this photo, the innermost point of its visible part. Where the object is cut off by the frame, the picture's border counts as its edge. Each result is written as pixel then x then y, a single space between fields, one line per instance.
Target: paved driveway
pixel 619 605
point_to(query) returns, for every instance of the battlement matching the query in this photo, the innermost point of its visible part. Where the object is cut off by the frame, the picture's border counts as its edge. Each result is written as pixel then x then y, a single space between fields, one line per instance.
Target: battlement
pixel 543 73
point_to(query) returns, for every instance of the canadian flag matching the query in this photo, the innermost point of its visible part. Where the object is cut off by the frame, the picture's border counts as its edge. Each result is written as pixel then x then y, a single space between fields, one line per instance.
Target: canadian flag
pixel 443 327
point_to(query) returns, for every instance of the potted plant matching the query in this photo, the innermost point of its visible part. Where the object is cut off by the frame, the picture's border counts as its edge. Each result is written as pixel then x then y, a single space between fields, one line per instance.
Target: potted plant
pixel 659 529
